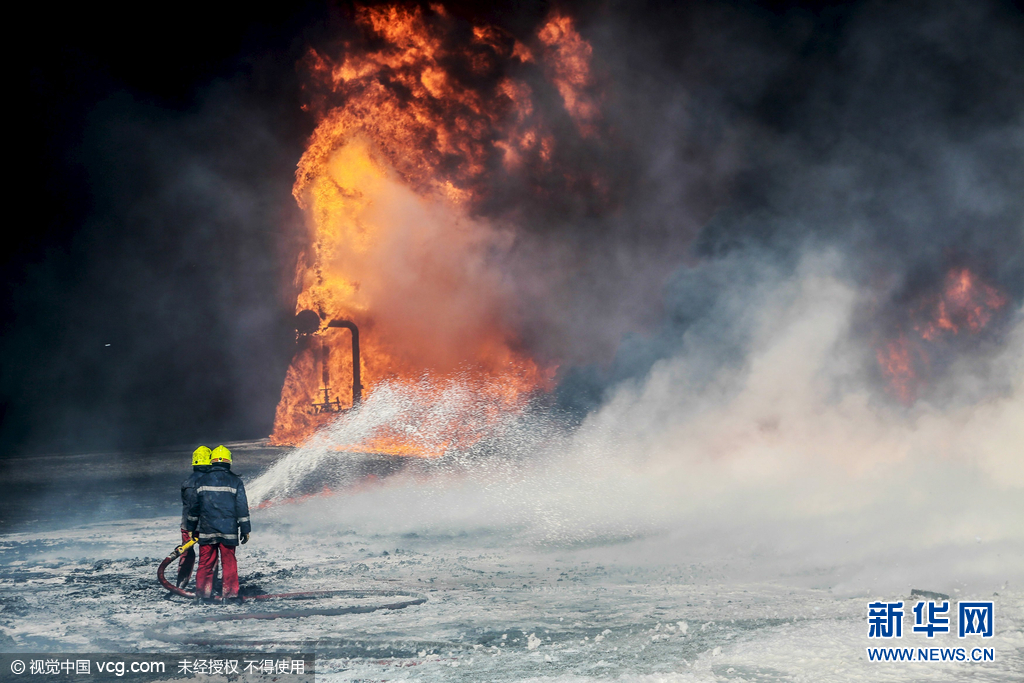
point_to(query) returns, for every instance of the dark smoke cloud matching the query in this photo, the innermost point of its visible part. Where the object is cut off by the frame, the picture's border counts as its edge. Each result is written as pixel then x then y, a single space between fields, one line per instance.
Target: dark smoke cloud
pixel 891 133
pixel 167 312
pixel 902 142
pixel 735 135
pixel 147 292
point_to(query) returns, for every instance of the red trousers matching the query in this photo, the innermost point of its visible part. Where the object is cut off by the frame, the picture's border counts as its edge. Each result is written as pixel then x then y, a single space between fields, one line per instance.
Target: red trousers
pixel 187 561
pixel 207 564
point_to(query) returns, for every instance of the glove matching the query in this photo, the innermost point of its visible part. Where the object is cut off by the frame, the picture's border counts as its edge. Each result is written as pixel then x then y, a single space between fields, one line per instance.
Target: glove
pixel 194 535
pixel 244 539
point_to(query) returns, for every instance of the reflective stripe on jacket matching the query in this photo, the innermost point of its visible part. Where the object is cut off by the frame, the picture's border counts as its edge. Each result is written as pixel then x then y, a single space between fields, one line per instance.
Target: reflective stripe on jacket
pixel 220 510
pixel 188 492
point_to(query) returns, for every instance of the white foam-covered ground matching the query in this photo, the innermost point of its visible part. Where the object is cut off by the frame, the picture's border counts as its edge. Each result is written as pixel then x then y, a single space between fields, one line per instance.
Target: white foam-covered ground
pixel 498 609
pixel 713 521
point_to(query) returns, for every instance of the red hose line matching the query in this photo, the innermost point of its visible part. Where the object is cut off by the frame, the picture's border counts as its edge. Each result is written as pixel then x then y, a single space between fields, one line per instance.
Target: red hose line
pixel 167 584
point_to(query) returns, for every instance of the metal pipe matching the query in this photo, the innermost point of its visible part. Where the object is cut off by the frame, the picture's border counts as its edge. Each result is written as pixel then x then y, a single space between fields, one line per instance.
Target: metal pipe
pixel 357 385
pixel 325 358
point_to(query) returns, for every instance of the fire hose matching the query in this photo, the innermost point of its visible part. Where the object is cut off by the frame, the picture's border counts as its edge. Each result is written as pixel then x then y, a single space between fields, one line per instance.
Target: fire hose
pixel 158 634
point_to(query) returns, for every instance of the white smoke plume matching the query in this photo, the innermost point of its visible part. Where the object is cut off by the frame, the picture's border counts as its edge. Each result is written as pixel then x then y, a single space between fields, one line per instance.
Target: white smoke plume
pixel 782 459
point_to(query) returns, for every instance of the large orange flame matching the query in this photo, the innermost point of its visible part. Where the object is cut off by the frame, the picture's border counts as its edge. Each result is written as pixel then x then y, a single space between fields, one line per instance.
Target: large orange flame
pixel 409 132
pixel 966 303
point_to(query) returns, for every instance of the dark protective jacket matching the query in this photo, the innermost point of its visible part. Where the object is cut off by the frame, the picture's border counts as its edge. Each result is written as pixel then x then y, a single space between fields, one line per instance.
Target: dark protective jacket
pixel 220 510
pixel 188 492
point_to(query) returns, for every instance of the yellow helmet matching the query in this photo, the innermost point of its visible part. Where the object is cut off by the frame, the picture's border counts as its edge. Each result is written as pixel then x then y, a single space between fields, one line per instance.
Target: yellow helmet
pixel 201 456
pixel 221 453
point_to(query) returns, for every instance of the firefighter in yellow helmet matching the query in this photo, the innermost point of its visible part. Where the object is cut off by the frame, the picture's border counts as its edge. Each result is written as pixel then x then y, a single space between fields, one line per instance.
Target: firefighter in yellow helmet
pixel 220 517
pixel 200 466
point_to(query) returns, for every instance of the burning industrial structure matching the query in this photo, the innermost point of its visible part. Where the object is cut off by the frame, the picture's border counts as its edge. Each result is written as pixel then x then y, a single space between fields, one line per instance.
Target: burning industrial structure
pixel 414 133
pixel 433 135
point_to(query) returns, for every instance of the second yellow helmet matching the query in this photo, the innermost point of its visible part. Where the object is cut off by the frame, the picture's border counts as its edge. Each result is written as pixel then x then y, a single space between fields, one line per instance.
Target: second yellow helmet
pixel 221 453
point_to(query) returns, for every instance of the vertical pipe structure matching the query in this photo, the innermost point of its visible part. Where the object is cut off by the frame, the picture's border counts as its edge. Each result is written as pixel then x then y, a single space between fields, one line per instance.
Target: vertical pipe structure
pixel 357 385
pixel 325 357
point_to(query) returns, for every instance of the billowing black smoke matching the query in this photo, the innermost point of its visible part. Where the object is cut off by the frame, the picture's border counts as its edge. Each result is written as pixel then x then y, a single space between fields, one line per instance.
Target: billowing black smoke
pixel 150 276
pixel 891 134
pixel 735 136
